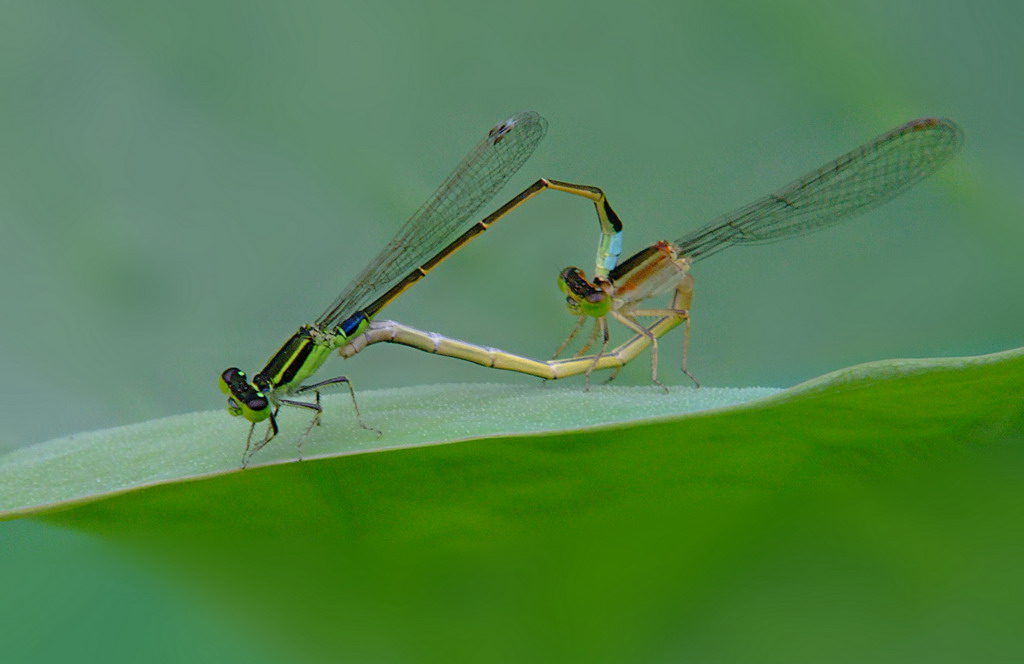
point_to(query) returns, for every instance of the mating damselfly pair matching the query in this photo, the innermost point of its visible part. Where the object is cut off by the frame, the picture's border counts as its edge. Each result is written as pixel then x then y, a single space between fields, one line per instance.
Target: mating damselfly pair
pixel 868 176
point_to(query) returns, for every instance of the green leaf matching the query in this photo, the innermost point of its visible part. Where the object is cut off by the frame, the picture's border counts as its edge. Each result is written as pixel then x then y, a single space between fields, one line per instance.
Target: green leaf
pixel 91 466
pixel 574 525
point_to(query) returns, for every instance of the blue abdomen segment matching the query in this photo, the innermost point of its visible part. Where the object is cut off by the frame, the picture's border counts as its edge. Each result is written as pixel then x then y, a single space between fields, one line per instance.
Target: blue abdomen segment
pixel 354 324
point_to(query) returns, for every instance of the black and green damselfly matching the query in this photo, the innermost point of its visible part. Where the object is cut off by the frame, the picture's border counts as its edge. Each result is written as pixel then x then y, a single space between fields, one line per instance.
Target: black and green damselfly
pixel 422 243
pixel 407 258
pixel 868 176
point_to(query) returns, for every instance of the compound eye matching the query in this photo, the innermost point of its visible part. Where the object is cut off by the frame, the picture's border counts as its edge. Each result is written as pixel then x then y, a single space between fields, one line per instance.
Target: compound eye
pixel 257 404
pixel 574 283
pixel 232 381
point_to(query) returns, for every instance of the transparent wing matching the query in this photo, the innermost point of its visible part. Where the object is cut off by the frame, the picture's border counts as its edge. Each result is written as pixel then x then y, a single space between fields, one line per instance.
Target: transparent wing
pixel 871 175
pixel 476 180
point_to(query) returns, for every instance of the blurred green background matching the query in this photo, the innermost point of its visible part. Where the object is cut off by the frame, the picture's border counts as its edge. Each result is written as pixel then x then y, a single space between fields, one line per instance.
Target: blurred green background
pixel 154 153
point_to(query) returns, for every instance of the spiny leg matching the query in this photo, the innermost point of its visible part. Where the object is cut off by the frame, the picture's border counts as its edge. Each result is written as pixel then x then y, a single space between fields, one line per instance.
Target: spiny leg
pixel 580 322
pixel 247 454
pixel 316 387
pixel 668 316
pixel 317 412
pixel 248 445
pixel 679 314
pixel 682 300
pixel 629 321
pixel 626 351
pixel 591 340
pixel 686 350
pixel 679 309
pixel 602 324
pixel 614 375
pixel 251 449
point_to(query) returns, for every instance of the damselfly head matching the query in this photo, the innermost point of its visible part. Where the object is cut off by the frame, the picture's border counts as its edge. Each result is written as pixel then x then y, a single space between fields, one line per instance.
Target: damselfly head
pixel 582 297
pixel 244 398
